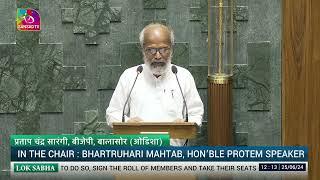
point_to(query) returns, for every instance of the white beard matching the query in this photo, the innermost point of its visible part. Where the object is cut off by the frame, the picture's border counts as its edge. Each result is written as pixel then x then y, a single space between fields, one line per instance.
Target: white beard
pixel 158 67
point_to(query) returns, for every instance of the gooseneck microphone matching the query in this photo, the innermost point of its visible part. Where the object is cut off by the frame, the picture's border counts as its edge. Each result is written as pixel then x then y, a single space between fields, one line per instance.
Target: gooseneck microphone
pixel 139 70
pixel 175 71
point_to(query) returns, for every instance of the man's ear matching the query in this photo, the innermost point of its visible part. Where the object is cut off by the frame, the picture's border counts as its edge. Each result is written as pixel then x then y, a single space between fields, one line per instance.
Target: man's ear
pixel 172 50
pixel 140 48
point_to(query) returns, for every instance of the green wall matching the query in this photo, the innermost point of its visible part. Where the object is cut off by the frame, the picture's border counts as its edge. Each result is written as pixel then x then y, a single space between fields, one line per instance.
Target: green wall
pixel 60 81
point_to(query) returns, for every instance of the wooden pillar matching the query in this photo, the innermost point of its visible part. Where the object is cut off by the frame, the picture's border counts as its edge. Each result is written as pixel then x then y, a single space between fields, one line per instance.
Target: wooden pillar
pixel 301 78
pixel 220 131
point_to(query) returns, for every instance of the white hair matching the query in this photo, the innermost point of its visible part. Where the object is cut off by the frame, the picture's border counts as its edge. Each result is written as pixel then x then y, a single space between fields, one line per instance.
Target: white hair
pixel 141 35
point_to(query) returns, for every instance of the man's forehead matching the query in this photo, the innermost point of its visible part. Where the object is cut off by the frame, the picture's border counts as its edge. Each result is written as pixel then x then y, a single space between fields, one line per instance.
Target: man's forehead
pixel 157 28
pixel 157 34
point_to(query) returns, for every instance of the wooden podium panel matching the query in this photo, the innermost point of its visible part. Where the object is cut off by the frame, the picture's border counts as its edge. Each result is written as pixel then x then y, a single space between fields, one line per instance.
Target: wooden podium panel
pixel 181 130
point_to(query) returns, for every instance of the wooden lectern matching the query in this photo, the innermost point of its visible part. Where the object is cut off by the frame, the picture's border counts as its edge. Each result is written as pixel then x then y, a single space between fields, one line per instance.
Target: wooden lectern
pixel 179 130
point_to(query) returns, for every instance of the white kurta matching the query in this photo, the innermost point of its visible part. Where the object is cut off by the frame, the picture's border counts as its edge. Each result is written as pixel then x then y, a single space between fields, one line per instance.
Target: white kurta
pixel 155 99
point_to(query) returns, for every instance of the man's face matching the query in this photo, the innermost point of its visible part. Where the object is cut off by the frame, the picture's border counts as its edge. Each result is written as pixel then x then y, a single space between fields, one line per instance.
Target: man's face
pixel 157 50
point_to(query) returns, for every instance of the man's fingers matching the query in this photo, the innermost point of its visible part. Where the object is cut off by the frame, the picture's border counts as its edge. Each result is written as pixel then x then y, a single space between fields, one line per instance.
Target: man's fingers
pixel 179 120
pixel 135 119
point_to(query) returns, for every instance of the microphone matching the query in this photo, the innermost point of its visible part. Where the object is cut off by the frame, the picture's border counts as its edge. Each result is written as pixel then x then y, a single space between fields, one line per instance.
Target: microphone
pixel 139 70
pixel 175 71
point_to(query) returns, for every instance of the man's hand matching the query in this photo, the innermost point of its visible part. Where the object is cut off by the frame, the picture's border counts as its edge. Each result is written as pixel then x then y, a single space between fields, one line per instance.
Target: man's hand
pixel 179 120
pixel 135 120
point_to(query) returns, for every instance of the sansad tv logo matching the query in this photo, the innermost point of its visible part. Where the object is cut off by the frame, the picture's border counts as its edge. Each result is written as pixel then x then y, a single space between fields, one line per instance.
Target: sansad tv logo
pixel 28 20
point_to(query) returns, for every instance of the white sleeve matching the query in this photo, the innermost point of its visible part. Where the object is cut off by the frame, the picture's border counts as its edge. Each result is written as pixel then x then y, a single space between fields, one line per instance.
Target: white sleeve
pixel 114 111
pixel 194 103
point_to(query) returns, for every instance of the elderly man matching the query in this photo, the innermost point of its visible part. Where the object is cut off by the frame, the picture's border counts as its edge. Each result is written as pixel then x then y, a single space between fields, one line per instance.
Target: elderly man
pixel 155 96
